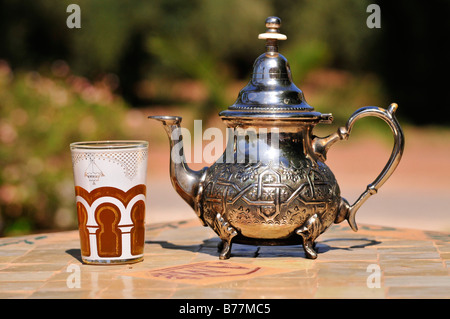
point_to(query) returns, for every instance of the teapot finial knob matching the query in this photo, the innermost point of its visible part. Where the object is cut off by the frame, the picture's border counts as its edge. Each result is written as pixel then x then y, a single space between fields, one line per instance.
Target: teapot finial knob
pixel 272 32
pixel 272 35
pixel 273 23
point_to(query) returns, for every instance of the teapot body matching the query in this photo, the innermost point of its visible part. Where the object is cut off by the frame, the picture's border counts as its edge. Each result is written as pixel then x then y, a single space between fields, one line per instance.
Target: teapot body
pixel 269 188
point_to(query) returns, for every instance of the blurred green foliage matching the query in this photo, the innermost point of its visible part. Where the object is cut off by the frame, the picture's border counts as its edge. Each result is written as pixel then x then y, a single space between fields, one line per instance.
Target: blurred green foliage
pixel 215 41
pixel 59 85
pixel 209 41
pixel 40 115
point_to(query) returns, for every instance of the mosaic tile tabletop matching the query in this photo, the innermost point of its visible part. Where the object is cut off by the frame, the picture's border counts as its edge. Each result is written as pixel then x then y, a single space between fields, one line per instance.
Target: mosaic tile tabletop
pixel 181 262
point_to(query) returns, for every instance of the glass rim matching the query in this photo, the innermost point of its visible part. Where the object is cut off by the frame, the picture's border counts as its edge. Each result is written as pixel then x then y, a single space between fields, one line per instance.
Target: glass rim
pixel 108 145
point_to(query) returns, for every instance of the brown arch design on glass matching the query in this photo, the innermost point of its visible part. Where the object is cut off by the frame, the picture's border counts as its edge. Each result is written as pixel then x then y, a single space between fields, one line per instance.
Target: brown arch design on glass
pixel 138 230
pixel 84 233
pixel 124 197
pixel 109 238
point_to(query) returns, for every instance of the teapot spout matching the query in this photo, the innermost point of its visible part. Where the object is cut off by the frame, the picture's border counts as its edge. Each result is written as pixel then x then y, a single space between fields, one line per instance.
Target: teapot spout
pixel 185 181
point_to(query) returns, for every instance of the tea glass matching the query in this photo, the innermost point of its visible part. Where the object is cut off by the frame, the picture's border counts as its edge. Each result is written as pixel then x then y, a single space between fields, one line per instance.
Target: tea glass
pixel 110 190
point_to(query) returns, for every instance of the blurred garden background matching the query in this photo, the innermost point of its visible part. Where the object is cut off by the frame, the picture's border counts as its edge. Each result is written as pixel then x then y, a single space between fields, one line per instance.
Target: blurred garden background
pixel 135 58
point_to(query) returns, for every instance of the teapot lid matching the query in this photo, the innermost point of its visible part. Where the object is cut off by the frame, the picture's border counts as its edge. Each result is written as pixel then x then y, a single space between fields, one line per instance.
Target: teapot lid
pixel 271 93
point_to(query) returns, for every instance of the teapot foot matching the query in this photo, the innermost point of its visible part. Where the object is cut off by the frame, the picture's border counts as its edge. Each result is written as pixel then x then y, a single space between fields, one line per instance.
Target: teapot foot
pixel 226 233
pixel 309 250
pixel 309 232
pixel 225 249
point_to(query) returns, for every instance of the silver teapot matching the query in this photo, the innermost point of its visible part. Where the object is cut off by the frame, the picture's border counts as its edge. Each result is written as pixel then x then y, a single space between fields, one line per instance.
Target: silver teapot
pixel 283 193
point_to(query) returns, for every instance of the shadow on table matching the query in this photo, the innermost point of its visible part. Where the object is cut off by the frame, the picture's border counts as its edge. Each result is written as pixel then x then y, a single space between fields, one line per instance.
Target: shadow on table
pixel 75 253
pixel 209 246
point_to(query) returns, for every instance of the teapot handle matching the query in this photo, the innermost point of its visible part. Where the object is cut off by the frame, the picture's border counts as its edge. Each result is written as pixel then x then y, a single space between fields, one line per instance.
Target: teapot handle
pixel 347 211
